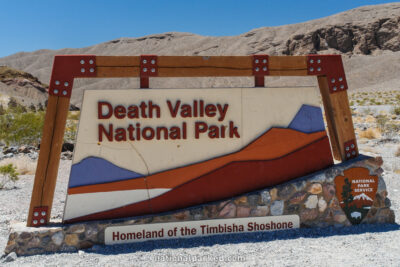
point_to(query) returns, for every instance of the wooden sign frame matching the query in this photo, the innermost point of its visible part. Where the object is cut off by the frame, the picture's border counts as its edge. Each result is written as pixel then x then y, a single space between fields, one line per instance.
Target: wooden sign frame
pixel 328 69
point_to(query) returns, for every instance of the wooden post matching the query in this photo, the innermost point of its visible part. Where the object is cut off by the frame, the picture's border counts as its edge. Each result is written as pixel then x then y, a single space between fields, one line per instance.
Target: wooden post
pixel 338 118
pixel 49 155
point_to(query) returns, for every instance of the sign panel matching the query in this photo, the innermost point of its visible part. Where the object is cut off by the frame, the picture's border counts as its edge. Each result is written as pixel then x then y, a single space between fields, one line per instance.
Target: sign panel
pixel 150 151
pixel 154 231
pixel 356 192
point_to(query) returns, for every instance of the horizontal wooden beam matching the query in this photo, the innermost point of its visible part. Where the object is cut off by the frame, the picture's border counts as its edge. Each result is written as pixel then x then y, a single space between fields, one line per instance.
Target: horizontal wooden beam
pixel 117 72
pixel 236 62
pixel 199 66
pixel 117 61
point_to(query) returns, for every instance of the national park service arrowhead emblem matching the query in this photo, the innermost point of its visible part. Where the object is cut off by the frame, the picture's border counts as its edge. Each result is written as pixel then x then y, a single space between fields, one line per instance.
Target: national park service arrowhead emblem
pixel 356 192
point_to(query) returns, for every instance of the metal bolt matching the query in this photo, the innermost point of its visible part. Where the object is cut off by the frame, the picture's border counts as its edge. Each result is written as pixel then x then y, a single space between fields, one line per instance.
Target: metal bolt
pixel 348 155
pixel 352 145
pixel 57 82
pixel 91 61
pixel 257 69
pixel 66 84
pixel 311 61
pixel 319 61
pixel 55 91
pixel 144 61
pixel 347 148
pixel 82 70
pixel 41 220
pixel 82 61
pixel 265 69
pixel 43 213
pixel 64 92
pixel 318 69
pixel 342 86
pixel 91 70
pixel 36 214
pixel 34 221
pixel 311 69
pixel 333 80
pixel 256 61
pixel 334 88
pixel 153 61
pixel 153 70
pixel 144 69
pixel 340 79
pixel 264 61
pixel 353 153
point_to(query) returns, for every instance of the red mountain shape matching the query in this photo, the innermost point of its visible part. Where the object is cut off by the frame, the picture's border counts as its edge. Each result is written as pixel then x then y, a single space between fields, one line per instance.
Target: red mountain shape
pixel 277 156
pixel 275 143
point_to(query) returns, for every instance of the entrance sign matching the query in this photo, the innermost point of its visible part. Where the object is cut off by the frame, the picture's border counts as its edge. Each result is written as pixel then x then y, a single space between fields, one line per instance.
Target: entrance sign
pixel 141 152
pixel 148 151
pixel 156 231
pixel 181 163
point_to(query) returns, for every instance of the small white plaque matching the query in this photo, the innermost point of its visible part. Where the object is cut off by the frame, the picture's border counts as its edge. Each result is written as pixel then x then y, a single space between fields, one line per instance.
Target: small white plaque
pixel 155 231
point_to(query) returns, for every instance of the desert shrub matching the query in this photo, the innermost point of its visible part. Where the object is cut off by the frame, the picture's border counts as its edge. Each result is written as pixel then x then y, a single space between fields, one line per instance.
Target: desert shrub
pixel 396 110
pixel 368 111
pixel 23 164
pixel 397 153
pixel 73 115
pixel 72 126
pixel 371 133
pixel 8 174
pixel 71 130
pixel 381 121
pixel 17 127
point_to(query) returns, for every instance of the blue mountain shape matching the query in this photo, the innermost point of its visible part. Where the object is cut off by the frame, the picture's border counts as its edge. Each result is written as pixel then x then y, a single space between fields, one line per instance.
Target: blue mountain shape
pixel 308 120
pixel 94 170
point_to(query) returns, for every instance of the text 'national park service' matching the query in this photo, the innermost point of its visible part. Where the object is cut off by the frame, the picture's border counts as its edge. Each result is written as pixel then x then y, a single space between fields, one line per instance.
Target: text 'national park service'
pixel 135 131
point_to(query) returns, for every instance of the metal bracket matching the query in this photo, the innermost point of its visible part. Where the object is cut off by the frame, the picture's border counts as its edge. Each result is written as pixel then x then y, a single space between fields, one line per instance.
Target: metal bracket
pixel 350 148
pixel 330 66
pixel 260 69
pixel 148 66
pixel 68 67
pixel 39 217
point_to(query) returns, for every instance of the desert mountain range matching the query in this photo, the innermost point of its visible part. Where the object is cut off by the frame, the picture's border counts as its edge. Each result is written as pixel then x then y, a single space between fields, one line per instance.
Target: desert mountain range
pixel 368 38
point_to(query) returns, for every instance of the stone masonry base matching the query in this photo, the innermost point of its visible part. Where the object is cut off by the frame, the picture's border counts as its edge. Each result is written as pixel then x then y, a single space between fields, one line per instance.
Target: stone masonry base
pixel 312 197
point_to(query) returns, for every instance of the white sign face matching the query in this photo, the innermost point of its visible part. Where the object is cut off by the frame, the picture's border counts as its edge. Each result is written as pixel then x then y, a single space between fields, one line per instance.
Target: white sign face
pixel 155 150
pixel 145 232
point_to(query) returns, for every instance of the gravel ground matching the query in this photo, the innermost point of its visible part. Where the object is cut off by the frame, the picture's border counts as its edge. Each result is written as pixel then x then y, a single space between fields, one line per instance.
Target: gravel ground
pixel 365 245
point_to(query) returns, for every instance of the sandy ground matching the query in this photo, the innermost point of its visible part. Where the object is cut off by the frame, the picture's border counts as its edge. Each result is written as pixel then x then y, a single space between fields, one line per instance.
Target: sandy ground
pixel 365 245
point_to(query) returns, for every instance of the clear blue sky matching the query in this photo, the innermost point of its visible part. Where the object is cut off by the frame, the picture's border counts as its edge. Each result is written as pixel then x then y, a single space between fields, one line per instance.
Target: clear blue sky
pixel 28 25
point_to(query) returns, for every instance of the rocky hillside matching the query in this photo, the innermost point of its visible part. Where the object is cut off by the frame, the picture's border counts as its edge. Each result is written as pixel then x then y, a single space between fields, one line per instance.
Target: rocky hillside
pixel 367 37
pixel 24 87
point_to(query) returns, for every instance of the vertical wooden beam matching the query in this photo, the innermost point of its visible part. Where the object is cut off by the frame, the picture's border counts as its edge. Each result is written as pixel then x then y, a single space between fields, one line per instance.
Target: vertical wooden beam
pixel 144 82
pixel 259 81
pixel 49 155
pixel 338 117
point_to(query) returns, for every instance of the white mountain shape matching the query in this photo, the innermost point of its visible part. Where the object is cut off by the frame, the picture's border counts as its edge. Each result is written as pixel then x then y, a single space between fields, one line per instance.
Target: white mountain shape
pixel 362 197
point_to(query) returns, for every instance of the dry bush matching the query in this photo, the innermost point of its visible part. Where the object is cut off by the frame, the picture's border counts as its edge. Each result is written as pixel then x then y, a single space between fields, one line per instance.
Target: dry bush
pixel 371 133
pixel 23 164
pixel 370 119
pixel 397 153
